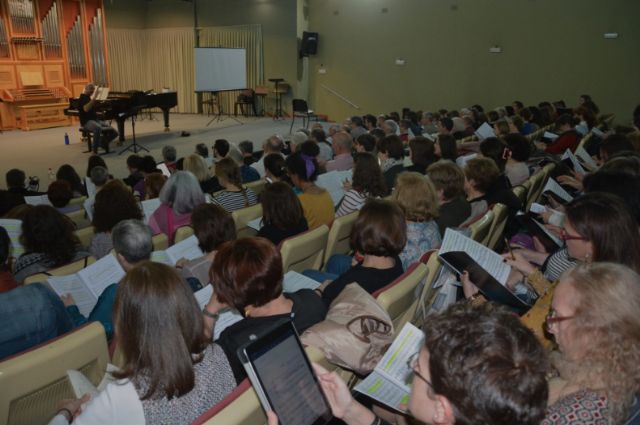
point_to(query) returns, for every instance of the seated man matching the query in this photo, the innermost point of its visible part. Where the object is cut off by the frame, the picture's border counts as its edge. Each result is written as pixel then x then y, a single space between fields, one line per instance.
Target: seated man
pixel 89 120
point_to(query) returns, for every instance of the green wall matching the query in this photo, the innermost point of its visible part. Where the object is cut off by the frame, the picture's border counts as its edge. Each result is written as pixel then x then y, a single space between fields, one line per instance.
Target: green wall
pixel 551 50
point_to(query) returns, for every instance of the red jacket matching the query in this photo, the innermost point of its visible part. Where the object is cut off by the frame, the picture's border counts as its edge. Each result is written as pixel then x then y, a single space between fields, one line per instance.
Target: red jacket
pixel 567 140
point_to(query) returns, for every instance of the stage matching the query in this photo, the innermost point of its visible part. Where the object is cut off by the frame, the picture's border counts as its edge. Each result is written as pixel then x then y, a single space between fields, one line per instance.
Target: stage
pixel 38 150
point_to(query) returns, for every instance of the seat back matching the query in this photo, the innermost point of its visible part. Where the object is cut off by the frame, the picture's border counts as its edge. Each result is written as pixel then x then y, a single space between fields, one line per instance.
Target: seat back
pixel 161 241
pixel 417 312
pixel 34 382
pixel 182 233
pixel 65 270
pixel 500 215
pixel 304 251
pixel 257 186
pixel 300 105
pixel 79 218
pixel 397 297
pixel 339 235
pixel 78 201
pixel 537 184
pixel 480 228
pixel 85 235
pixel 243 216
pixel 522 191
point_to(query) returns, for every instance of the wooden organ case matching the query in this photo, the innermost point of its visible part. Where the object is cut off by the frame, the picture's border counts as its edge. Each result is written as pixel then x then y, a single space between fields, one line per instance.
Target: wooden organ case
pixel 49 50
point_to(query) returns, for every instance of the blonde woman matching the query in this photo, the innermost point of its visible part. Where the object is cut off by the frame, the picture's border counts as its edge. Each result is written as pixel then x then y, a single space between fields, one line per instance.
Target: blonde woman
pixel 417 197
pixel 594 319
pixel 197 165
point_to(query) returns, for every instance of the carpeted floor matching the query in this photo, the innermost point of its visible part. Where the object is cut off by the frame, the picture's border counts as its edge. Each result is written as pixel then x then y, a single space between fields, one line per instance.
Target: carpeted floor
pixel 38 150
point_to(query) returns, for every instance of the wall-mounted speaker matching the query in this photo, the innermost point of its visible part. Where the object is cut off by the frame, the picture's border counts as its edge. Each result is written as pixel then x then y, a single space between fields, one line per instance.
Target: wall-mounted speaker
pixel 309 45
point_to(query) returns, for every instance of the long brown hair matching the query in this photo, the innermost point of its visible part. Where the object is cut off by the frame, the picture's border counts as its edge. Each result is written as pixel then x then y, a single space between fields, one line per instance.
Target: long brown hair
pixel 281 207
pixel 367 176
pixel 160 330
pixel 227 169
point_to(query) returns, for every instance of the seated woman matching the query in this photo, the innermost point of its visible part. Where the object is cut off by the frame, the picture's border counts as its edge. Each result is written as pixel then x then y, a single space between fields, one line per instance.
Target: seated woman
pixel 247 276
pixel 212 226
pixel 234 196
pixel 417 197
pixel 378 236
pixel 60 194
pixel 368 182
pixel 454 385
pixel 282 215
pixel 303 170
pixel 594 319
pixel 179 196
pixel 153 185
pixel 197 165
pixel 479 175
pixel 147 168
pixel 516 168
pixel 171 374
pixel 446 147
pixel 114 203
pixel 48 240
pixel 448 180
pixel 275 169
pixel 422 153
pixel 391 156
pixel 68 173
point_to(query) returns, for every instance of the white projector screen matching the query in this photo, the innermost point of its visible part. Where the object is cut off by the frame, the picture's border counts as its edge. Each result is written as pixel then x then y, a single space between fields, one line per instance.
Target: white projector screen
pixel 219 69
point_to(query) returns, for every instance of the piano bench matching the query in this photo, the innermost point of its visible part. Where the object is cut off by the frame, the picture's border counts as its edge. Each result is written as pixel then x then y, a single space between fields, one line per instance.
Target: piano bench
pixel 88 137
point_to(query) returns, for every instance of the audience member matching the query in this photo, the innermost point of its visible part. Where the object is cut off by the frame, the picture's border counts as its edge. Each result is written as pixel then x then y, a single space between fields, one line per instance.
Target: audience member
pixel 357 127
pixel 342 159
pixel 368 182
pixel 147 168
pixel 568 137
pixel 416 195
pixel 7 281
pixel 391 156
pixel 114 203
pixel 153 185
pixel 446 147
pixel 365 143
pixel 220 149
pixel 317 204
pixel 59 194
pixel 179 196
pixel 422 154
pixel 529 125
pixel 370 122
pixel 68 173
pixel 203 151
pixel 169 157
pixel 613 145
pixel 234 196
pixel 134 165
pixel 275 168
pixel 94 161
pixel 198 167
pixel 282 214
pixel 448 181
pixel 170 373
pixel 247 275
pixel 428 123
pixel 99 177
pixel 326 151
pixel 445 126
pixel 390 128
pixel 479 175
pixel 274 144
pixel 516 168
pixel 48 240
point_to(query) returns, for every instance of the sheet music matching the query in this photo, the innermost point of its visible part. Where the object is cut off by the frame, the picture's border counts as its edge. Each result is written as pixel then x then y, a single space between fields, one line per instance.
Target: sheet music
pixel 586 158
pixel 203 295
pixel 165 170
pixel 537 208
pixel 149 206
pixel 597 132
pixel 294 281
pixel 187 249
pixel 554 187
pixel 485 131
pixel 255 224
pixel 37 200
pixel 333 181
pixel 549 135
pixel 486 258
pixel 553 237
pixel 73 285
pixel 91 188
pixel 577 167
pixel 161 257
pixel 461 161
pixel 102 93
pixel 14 230
pixel 225 320
pixel 101 274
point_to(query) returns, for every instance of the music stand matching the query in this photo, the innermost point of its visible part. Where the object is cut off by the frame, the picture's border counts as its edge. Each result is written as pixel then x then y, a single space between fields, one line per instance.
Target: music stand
pixel 218 117
pixel 278 115
pixel 134 146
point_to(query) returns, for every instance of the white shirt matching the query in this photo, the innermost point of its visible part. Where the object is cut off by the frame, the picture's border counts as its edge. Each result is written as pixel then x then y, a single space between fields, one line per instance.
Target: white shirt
pixel 117 404
pixel 259 166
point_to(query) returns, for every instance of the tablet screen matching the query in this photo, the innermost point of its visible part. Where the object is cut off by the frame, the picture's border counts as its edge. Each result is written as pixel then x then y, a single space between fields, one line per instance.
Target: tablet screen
pixel 288 381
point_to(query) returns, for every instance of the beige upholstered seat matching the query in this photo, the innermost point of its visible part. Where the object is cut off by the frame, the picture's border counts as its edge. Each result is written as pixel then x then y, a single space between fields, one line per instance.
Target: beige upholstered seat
pixel 85 235
pixel 500 215
pixel 304 251
pixel 397 297
pixel 243 216
pixel 339 235
pixel 161 241
pixel 65 270
pixel 480 228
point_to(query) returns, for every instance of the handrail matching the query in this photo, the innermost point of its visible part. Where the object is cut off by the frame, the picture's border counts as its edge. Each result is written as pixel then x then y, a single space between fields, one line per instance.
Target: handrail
pixel 339 96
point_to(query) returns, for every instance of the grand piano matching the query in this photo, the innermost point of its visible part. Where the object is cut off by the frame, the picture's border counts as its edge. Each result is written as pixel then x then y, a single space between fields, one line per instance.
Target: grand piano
pixel 121 105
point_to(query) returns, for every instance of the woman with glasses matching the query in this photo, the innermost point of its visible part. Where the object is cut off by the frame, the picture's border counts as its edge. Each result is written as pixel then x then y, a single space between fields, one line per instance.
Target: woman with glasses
pixel 478 365
pixel 595 322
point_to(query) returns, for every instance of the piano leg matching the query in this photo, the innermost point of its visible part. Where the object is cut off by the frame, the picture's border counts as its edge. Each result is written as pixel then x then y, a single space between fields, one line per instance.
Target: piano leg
pixel 165 114
pixel 120 122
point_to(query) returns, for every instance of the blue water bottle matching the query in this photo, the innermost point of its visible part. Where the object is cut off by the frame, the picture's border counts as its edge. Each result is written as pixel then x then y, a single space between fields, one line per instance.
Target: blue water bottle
pixel 66 138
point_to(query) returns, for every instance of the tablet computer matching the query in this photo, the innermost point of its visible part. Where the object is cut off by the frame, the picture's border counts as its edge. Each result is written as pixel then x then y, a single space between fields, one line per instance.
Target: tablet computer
pixel 281 374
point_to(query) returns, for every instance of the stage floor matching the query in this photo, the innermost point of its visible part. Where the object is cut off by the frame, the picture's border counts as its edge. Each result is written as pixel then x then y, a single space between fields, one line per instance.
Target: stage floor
pixel 38 150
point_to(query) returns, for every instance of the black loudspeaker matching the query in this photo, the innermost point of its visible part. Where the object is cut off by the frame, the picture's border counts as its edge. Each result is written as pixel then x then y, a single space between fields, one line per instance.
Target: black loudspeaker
pixel 309 45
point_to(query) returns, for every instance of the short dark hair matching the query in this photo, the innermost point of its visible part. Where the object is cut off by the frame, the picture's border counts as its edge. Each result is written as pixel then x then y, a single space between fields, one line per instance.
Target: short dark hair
pixel 494 148
pixel 615 143
pixel 245 146
pixel 357 120
pixel 160 330
pixel 202 150
pixel 422 151
pixel 367 141
pixel 4 247
pixel 377 133
pixel 519 146
pixel 448 177
pixel 281 207
pixel 478 379
pixel 15 178
pixel 448 146
pixel 95 161
pixel 221 146
pixel 114 203
pixel 318 135
pixel 447 123
pixel 59 193
pixel 483 172
pixel 380 229
pixel 212 225
pixel 625 185
pixel 370 119
pixel 297 164
pixel 247 271
pixel 564 119
pixel 392 146
pixel 274 162
pixel 148 164
pixel 45 230
pixel 134 161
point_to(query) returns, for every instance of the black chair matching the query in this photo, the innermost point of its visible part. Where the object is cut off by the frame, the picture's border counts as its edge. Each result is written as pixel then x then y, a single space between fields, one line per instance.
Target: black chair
pixel 301 109
pixel 247 97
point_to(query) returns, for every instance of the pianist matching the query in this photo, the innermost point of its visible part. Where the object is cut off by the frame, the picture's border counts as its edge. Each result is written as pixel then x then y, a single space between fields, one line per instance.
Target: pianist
pixel 102 132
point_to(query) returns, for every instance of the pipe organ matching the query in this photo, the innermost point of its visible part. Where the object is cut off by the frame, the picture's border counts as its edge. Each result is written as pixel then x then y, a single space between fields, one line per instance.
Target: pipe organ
pixel 49 50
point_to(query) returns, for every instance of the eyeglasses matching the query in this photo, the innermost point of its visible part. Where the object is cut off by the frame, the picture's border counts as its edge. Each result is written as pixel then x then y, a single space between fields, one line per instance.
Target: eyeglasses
pixel 412 363
pixel 567 237
pixel 553 318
